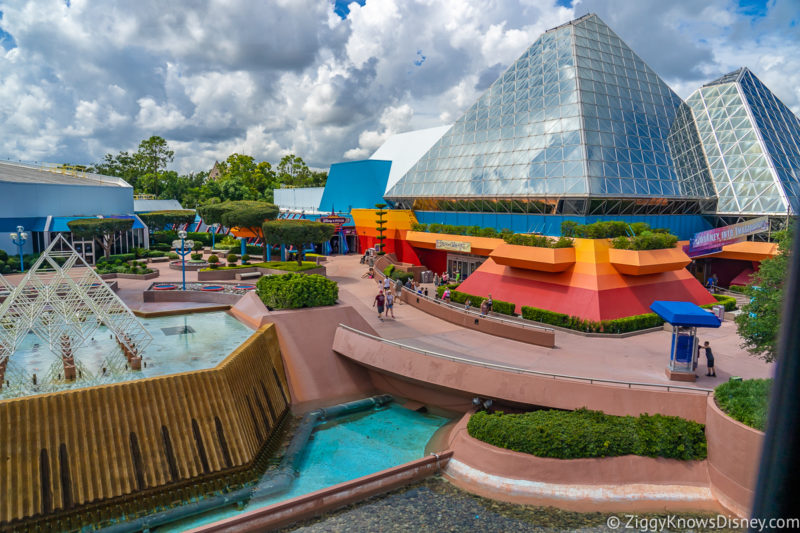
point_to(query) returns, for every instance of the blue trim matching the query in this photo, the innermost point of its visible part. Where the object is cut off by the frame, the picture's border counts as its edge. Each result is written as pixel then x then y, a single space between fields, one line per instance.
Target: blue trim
pixel 357 184
pixel 684 226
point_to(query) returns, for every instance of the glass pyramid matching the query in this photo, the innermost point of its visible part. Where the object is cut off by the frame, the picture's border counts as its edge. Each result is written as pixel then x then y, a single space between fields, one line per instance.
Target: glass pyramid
pixel 751 142
pixel 579 114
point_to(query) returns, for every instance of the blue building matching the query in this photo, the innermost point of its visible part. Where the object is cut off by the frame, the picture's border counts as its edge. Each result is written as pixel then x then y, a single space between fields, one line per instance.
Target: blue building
pixel 43 200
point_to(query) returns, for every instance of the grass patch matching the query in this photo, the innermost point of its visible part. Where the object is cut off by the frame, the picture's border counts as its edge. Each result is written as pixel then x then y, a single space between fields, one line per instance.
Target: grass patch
pixel 746 401
pixel 289 266
pixel 584 433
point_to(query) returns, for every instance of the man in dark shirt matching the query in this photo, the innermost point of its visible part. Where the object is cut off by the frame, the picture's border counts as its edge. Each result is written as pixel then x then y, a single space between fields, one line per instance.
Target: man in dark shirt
pixel 709 360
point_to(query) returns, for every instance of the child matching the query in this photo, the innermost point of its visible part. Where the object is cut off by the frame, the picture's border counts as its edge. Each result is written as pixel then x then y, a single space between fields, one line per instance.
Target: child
pixel 709 360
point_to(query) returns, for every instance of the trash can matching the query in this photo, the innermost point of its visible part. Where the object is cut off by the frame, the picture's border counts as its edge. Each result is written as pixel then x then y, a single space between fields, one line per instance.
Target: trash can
pixel 719 310
pixel 427 277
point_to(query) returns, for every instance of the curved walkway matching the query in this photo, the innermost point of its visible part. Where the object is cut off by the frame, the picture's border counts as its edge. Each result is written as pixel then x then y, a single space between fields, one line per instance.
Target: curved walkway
pixel 642 358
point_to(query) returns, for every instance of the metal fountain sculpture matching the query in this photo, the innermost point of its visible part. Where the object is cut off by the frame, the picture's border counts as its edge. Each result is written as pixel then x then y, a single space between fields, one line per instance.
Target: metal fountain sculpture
pixel 63 306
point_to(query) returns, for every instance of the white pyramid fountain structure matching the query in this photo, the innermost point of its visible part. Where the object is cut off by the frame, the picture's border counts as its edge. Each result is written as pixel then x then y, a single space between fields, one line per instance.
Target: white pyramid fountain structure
pixel 64 306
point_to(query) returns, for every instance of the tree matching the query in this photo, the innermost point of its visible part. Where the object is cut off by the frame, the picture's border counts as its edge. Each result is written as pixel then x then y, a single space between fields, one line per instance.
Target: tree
pixel 293 172
pixel 152 157
pixel 297 233
pixel 103 230
pixel 156 220
pixel 241 214
pixel 759 321
pixel 381 222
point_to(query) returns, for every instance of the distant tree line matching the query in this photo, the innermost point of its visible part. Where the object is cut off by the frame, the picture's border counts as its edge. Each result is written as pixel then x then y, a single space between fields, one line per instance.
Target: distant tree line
pixel 240 177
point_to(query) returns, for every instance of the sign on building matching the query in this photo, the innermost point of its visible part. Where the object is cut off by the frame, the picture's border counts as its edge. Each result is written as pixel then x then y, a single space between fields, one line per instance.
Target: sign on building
pixel 454 246
pixel 338 221
pixel 711 241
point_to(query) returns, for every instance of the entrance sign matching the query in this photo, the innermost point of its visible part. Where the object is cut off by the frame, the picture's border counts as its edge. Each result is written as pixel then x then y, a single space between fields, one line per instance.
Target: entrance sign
pixel 454 246
pixel 338 221
pixel 712 239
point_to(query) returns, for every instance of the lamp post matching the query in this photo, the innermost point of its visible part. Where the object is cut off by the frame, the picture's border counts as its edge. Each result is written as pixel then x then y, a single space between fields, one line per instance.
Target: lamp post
pixel 214 227
pixel 20 237
pixel 182 251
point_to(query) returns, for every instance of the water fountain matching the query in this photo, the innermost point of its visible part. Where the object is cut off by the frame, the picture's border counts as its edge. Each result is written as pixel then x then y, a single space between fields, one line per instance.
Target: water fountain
pixel 63 306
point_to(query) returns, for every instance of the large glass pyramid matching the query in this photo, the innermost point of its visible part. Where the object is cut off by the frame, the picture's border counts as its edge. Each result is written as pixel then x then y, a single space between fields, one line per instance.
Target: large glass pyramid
pixel 579 114
pixel 751 142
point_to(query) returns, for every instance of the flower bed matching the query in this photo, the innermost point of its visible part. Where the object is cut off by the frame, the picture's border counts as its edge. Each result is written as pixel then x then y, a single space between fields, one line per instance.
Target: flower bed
pixel 584 433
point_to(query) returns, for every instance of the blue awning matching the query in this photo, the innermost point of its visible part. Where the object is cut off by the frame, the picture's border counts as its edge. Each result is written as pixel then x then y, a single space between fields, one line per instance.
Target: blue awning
pixel 60 223
pixel 685 314
pixel 29 223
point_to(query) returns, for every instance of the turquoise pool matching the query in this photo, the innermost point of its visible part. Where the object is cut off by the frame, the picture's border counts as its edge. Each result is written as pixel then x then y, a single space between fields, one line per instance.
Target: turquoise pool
pixel 214 336
pixel 343 449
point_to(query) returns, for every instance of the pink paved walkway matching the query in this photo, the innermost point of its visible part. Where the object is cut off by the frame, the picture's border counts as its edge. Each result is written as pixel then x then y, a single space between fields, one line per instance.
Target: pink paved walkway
pixel 641 358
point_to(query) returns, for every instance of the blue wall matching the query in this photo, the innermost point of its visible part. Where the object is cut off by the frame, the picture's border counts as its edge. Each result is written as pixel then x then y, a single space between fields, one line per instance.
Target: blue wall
pixel 684 226
pixel 355 185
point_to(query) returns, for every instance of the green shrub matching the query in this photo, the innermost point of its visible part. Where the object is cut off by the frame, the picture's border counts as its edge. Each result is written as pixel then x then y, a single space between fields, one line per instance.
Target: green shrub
pixel 173 256
pixel 245 259
pixel 647 240
pixel 231 258
pixel 617 325
pixel 197 246
pixel 388 271
pixel 419 227
pixel 583 433
pixel 3 256
pixel 292 291
pixel 746 401
pixel 196 256
pixel 539 241
pixel 402 276
pixel 156 253
pixel 738 288
pixel 498 306
pixel 114 257
pixel 728 301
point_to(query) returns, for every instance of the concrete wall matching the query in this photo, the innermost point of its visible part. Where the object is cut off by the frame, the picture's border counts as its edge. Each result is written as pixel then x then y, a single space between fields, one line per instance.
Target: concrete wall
pixel 107 447
pixel 734 451
pixel 527 389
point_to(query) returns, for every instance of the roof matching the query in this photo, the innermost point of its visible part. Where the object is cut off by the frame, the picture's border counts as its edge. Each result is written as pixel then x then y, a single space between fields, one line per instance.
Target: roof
pixel 684 314
pixel 146 206
pixel 20 173
pixel 405 149
pixel 730 77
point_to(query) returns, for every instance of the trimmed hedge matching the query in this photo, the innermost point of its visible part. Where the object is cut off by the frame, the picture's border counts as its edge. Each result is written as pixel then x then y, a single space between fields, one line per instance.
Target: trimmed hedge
pixel 498 306
pixel 745 400
pixel 742 289
pixel 402 276
pixel 114 257
pixel 292 291
pixel 289 266
pixel 584 433
pixel 617 325
pixel 538 241
pixel 728 301
pixel 647 240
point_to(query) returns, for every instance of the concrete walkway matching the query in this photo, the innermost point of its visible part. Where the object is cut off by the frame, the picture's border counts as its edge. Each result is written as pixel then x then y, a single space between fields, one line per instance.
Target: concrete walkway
pixel 640 358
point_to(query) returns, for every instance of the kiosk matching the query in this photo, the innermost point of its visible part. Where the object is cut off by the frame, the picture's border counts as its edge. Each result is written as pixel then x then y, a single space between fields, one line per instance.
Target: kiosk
pixel 685 318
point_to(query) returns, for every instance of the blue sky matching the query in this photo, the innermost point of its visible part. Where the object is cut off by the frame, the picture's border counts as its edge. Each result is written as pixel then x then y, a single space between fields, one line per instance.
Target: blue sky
pixel 328 80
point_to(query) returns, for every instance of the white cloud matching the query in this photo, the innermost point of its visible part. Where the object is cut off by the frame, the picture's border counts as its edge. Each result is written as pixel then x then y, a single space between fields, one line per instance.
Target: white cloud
pixel 219 76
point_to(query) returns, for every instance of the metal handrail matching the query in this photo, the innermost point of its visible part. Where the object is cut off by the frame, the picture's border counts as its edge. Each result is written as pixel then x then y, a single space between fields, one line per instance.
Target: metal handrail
pixel 519 370
pixel 472 311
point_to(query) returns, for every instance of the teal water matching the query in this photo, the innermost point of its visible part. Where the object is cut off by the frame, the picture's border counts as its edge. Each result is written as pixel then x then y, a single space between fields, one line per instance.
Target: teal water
pixel 215 336
pixel 344 449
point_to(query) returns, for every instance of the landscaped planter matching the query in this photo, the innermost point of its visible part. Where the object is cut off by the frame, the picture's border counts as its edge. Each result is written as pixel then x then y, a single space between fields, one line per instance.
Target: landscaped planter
pixel 219 275
pixel 476 245
pixel 643 262
pixel 115 275
pixel 534 258
pixel 190 265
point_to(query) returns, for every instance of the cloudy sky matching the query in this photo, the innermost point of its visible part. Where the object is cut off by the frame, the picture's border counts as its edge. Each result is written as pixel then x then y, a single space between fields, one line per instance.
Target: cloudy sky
pixel 325 80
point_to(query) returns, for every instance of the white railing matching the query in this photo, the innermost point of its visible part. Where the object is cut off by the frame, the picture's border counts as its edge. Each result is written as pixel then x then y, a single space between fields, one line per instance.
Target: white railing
pixel 518 370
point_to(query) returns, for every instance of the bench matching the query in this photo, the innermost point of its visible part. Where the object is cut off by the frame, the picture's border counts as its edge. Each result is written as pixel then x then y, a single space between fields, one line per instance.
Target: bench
pixel 247 275
pixel 159 259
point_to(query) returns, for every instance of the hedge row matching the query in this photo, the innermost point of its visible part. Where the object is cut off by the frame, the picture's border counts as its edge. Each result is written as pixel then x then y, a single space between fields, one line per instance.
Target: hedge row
pixel 498 306
pixel 645 241
pixel 608 229
pixel 745 400
pixel 450 229
pixel 292 291
pixel 584 433
pixel 728 301
pixel 741 289
pixel 539 241
pixel 617 325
